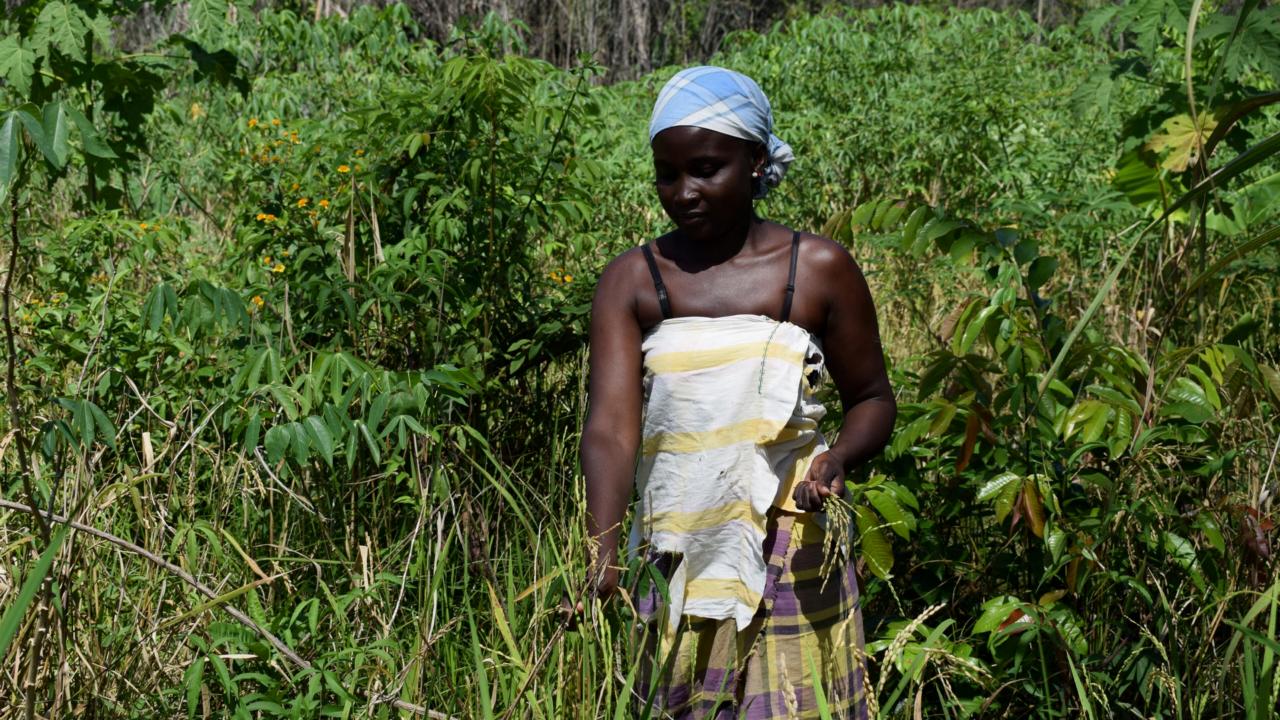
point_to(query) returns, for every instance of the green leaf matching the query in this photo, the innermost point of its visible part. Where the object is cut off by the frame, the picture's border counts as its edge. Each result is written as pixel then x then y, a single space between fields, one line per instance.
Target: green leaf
pixel 13 615
pixel 994 612
pixel 874 545
pixel 17 64
pixel 974 328
pixel 936 229
pixel 898 520
pixel 1271 378
pixel 193 678
pixel 276 442
pixel 105 429
pixel 60 26
pixel 10 147
pixel 912 228
pixel 57 127
pixel 994 487
pixel 1184 554
pixel 299 442
pixel 208 17
pixel 1042 268
pixel 323 438
pixel 89 137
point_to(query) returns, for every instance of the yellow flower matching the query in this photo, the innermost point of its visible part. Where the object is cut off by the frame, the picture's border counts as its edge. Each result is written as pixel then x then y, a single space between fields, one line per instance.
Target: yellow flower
pixel 555 276
pixel 143 226
pixel 359 152
pixel 344 168
pixel 266 259
pixel 279 268
pixel 324 203
pixel 294 186
pixel 568 278
pixel 253 122
pixel 257 300
pixel 275 122
pixel 302 202
pixel 197 112
pixel 261 216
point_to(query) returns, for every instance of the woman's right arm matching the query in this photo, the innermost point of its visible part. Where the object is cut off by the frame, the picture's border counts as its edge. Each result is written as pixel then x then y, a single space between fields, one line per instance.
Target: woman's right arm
pixel 611 434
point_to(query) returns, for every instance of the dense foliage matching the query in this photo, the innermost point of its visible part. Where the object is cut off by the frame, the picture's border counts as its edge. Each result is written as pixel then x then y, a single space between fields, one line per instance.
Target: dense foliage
pixel 294 317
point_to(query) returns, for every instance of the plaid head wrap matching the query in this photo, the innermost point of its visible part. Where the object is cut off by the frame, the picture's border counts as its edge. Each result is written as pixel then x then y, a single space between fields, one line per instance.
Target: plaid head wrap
pixel 727 102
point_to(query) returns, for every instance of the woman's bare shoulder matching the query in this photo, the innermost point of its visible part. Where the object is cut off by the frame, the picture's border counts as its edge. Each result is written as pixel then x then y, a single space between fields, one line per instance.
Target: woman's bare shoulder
pixel 826 259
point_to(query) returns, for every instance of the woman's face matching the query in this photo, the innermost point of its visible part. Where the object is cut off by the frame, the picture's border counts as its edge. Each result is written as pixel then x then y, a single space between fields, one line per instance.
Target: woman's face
pixel 704 179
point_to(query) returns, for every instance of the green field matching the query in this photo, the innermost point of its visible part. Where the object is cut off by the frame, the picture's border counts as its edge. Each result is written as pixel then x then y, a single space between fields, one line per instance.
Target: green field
pixel 295 345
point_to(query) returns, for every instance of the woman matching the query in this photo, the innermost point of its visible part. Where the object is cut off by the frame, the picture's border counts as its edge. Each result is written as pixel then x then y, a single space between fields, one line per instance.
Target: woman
pixel 719 331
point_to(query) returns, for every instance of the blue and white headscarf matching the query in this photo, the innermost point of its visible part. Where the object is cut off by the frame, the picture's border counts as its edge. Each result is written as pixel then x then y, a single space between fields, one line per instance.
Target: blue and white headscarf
pixel 726 102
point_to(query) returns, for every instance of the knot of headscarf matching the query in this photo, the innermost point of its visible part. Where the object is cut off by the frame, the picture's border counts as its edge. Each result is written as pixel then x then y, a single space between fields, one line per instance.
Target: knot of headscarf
pixel 726 102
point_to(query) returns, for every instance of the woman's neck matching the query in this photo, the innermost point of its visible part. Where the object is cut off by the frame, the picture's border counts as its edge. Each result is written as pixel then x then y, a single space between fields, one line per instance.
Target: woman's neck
pixel 719 248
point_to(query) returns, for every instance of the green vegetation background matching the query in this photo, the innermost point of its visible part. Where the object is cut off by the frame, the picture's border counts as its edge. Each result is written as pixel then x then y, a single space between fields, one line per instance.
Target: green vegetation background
pixel 294 316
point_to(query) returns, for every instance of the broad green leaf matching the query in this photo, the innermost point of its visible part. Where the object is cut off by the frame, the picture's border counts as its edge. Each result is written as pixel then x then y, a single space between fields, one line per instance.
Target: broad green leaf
pixel 1042 268
pixel 1207 385
pixel 1188 400
pixel 1032 507
pixel 994 612
pixel 861 217
pixel 1114 398
pixel 974 329
pixel 89 137
pixel 1121 434
pixel 1212 531
pixel 322 437
pixel 10 147
pixel 192 679
pixel 17 609
pixel 299 442
pixel 1271 378
pixel 1184 553
pixel 1182 139
pixel 276 443
pixel 914 221
pixel 992 488
pixel 875 546
pixel 60 26
pixel 898 520
pixel 936 229
pixel 105 429
pixel 208 17
pixel 1055 539
pixel 17 64
pixel 1096 422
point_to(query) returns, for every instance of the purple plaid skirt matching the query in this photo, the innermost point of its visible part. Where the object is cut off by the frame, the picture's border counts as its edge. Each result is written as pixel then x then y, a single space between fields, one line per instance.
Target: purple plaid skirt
pixel 804 649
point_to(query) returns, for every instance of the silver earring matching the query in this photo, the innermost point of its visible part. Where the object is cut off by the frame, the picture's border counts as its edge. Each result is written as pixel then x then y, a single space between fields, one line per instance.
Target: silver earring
pixel 755 174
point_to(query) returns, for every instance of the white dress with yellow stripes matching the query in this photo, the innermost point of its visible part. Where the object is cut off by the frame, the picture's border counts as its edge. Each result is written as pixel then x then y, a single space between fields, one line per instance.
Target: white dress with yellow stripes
pixel 730 425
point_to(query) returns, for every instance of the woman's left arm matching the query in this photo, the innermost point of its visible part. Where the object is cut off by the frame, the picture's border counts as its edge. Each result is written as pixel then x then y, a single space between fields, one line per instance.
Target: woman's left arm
pixel 855 360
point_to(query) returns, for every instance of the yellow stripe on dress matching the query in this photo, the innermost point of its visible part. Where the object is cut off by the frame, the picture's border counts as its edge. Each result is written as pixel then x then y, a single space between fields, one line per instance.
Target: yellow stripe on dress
pixel 674 521
pixel 759 431
pixel 707 358
pixel 719 589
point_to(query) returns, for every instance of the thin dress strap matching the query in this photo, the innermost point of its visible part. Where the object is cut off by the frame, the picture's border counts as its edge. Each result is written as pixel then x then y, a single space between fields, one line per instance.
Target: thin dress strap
pixel 791 277
pixel 661 287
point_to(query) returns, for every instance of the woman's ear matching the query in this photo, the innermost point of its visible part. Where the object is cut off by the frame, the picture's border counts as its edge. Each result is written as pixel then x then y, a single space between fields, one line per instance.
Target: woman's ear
pixel 759 157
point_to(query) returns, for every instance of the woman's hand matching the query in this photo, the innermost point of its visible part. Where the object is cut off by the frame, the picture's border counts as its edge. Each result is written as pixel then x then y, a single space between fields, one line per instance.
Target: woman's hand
pixel 573 610
pixel 824 479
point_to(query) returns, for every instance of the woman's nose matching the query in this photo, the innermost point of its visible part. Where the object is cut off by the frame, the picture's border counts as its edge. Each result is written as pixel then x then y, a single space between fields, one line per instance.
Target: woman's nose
pixel 686 192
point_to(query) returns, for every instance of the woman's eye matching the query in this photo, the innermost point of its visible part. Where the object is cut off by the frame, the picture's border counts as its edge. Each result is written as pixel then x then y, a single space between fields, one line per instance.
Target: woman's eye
pixel 706 170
